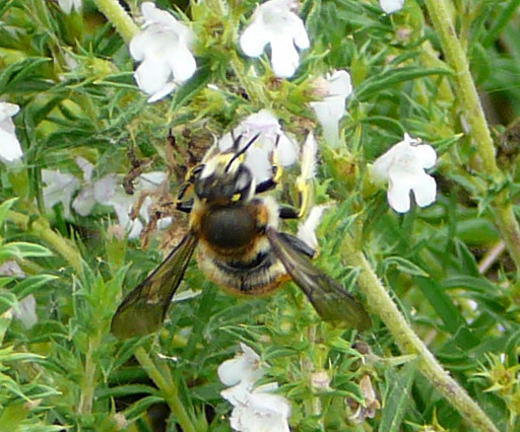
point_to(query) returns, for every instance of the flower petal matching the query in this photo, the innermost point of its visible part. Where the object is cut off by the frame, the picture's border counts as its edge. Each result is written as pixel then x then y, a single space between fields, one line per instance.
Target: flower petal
pixel 25 311
pixel 152 75
pixel 182 63
pixel 390 6
pixel 244 367
pixel 105 188
pixel 301 38
pixel 162 92
pixel 307 230
pixel 10 148
pixel 284 56
pixel 286 150
pixel 59 187
pixel 424 190
pixel 340 84
pixel 253 40
pixel 425 155
pixel 8 110
pixel 86 167
pixel 399 196
pixel 329 113
pixel 84 202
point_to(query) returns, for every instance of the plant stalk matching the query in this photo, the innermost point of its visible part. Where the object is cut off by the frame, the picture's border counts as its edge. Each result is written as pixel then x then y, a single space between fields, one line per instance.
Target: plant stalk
pixel 466 93
pixel 88 382
pixel 168 388
pixel 381 304
pixel 118 17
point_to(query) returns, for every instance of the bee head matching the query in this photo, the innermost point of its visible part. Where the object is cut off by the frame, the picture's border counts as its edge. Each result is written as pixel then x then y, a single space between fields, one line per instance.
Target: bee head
pixel 224 178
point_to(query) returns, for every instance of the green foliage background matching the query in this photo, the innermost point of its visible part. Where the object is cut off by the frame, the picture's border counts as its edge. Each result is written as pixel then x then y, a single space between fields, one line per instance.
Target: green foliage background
pixel 68 373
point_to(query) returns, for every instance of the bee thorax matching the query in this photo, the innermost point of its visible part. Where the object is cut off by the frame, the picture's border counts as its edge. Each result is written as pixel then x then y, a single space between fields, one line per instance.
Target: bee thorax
pixel 229 227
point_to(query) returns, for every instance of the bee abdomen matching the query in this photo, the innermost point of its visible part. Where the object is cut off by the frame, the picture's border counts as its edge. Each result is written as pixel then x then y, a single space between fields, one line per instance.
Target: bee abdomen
pixel 259 276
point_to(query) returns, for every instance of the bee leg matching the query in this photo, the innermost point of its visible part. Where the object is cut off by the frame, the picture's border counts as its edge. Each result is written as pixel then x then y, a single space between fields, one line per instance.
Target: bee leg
pixel 288 212
pixel 184 206
pixel 265 186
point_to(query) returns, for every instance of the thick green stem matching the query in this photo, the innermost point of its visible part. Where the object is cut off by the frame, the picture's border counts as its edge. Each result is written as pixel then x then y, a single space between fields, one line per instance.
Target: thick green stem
pixel 381 304
pixel 168 389
pixel 465 89
pixel 118 17
pixel 471 107
pixel 40 228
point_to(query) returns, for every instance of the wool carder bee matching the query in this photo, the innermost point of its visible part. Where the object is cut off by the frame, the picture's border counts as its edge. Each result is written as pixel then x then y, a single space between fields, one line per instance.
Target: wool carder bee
pixel 236 231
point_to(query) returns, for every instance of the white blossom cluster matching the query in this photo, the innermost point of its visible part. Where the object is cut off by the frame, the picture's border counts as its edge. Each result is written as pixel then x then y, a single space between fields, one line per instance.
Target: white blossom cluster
pixel 255 408
pixel 107 191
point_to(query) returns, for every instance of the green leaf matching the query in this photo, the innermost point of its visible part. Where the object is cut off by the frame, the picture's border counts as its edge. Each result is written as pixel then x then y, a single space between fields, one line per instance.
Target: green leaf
pixel 404 265
pixel 389 78
pixel 19 72
pixel 31 284
pixel 442 304
pixel 397 399
pixel 192 86
pixel 4 209
pixel 23 250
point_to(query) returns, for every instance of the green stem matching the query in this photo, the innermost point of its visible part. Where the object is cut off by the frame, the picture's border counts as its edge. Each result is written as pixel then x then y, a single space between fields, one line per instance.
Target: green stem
pixel 466 93
pixel 168 388
pixel 465 89
pixel 118 17
pixel 40 228
pixel 380 303
pixel 88 382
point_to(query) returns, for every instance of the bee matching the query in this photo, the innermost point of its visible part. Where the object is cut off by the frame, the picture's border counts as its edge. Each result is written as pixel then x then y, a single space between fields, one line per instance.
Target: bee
pixel 235 229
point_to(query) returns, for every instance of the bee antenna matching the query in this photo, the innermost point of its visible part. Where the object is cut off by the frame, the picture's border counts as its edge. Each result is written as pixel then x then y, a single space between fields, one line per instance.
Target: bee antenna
pixel 236 141
pixel 242 150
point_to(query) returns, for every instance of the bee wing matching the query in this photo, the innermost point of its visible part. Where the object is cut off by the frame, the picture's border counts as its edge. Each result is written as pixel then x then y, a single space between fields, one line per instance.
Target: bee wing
pixel 328 297
pixel 144 308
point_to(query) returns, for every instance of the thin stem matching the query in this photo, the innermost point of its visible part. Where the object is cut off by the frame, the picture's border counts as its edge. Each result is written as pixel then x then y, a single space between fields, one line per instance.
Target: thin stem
pixel 167 387
pixel 491 257
pixel 382 305
pixel 118 17
pixel 40 228
pixel 466 93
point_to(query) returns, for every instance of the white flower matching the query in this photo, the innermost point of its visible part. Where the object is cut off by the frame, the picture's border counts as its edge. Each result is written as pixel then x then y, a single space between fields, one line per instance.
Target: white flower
pixel 261 411
pixel 59 187
pixel 67 5
pixel 275 23
pixel 331 109
pixel 109 191
pixel 163 48
pixel 391 6
pixel 10 148
pixel 254 410
pixel 92 192
pixel 25 311
pixel 244 367
pixel 272 144
pixel 11 268
pixel 307 229
pixel 403 168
